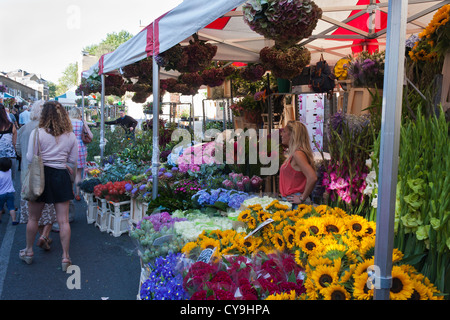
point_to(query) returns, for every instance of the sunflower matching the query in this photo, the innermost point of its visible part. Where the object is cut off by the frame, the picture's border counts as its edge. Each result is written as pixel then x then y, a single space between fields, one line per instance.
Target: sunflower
pixel 278 241
pixel 360 289
pixel 310 244
pixel 333 224
pixel 255 207
pixel 402 286
pixel 262 215
pixel 420 291
pixel 289 236
pixel 209 243
pixel 324 276
pixel 300 232
pixel 338 212
pixel 397 255
pixel 283 296
pixel 315 225
pixel 188 247
pixel 335 251
pixel 335 292
pixel 367 247
pixel 251 223
pixel 357 225
pixel 303 209
pixel 371 228
pixel 251 243
pixel 244 215
pixel 310 289
pixel 322 209
pixel 361 268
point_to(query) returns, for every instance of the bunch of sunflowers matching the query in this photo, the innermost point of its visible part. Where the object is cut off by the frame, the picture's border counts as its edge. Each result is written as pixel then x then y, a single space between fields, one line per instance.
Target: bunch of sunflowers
pixel 333 248
pixel 434 40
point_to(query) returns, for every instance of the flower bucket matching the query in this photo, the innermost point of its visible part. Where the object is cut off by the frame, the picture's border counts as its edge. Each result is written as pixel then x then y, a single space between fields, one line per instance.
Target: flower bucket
pixel 119 217
pixel 136 211
pixel 91 211
pixel 102 217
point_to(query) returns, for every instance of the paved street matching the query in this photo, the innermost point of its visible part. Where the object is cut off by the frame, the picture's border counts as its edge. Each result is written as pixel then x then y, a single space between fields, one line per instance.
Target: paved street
pixel 109 266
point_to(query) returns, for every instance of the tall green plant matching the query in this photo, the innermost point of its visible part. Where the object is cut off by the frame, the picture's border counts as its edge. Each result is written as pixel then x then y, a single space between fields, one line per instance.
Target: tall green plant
pixel 423 204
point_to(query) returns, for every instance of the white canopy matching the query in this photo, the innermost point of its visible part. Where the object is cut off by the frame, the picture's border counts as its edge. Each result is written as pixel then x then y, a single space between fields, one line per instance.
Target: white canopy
pixel 334 36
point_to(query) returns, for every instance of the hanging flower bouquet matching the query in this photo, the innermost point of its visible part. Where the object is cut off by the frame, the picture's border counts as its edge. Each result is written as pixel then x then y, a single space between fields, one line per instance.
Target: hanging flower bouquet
pixel 114 85
pixel 285 63
pixel 191 58
pixel 2 88
pixel 286 21
pixel 252 72
pixel 214 77
pixel 89 85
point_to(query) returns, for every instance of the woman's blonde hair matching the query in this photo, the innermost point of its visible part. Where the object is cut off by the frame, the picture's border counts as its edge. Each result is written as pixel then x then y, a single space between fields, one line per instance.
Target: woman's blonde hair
pixel 299 140
pixel 36 108
pixel 54 119
pixel 75 113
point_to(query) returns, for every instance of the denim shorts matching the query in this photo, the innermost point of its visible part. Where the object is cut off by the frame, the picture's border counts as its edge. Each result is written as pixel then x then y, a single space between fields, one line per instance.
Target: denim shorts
pixel 7 198
pixel 294 205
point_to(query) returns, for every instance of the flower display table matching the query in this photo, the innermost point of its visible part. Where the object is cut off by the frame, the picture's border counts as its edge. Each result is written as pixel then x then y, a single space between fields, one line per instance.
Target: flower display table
pixel 118 217
pixel 91 211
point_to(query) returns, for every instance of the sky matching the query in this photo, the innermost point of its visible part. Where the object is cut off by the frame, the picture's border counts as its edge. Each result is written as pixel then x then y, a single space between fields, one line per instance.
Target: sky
pixel 45 36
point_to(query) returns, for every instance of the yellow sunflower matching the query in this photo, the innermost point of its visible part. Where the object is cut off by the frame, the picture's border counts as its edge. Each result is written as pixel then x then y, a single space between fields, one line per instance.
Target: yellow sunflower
pixel 251 223
pixel 332 224
pixel 310 244
pixel 338 212
pixel 262 215
pixel 367 247
pixel 323 209
pixel 251 243
pixel 402 286
pixel 360 289
pixel 300 232
pixel 335 292
pixel 334 251
pixel 357 225
pixel 278 241
pixel 188 247
pixel 315 225
pixel 361 268
pixel 283 296
pixel 289 236
pixel 210 243
pixel 244 215
pixel 324 276
pixel 371 228
pixel 420 291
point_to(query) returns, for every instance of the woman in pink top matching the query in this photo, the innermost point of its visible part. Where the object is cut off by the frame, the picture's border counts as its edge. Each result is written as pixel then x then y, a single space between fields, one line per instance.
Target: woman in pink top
pixel 297 174
pixel 59 152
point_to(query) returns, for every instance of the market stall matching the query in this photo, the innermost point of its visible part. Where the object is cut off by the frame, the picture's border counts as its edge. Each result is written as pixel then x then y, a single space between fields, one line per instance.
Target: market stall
pixel 155 244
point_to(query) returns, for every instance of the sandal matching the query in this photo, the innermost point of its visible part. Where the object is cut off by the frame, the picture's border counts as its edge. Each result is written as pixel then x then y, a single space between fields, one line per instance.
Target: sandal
pixel 44 243
pixel 28 259
pixel 65 263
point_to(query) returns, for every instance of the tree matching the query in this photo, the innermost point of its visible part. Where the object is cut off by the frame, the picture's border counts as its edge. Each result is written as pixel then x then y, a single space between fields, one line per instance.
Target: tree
pixel 52 88
pixel 112 41
pixel 68 79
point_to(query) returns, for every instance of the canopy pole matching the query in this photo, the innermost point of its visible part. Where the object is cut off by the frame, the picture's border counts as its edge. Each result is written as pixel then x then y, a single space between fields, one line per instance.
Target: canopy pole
pixel 389 146
pixel 102 120
pixel 155 151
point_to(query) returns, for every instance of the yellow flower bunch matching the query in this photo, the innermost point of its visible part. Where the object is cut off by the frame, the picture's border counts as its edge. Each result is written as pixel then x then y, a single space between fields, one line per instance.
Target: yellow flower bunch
pixel 434 39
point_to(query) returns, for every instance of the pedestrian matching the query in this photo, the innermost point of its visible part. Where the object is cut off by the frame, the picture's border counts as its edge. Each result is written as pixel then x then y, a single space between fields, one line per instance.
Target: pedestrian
pixel 8 137
pixel 297 173
pixel 126 122
pixel 7 188
pixel 11 117
pixel 78 124
pixel 24 116
pixel 59 152
pixel 48 217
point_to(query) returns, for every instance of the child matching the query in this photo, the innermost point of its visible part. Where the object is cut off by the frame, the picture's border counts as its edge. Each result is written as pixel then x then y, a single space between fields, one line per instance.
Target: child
pixel 6 188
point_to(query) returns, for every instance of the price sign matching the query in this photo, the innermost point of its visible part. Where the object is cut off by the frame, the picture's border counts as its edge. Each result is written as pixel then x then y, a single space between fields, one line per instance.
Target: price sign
pixel 206 255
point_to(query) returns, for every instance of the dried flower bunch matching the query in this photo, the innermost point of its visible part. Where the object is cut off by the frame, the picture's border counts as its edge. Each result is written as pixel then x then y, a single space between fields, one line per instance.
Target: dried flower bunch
pixel 191 58
pixel 367 70
pixel 285 63
pixel 285 21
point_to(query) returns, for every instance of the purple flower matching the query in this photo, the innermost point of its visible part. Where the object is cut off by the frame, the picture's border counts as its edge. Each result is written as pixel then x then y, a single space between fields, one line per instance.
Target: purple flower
pixel 128 187
pixel 168 174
